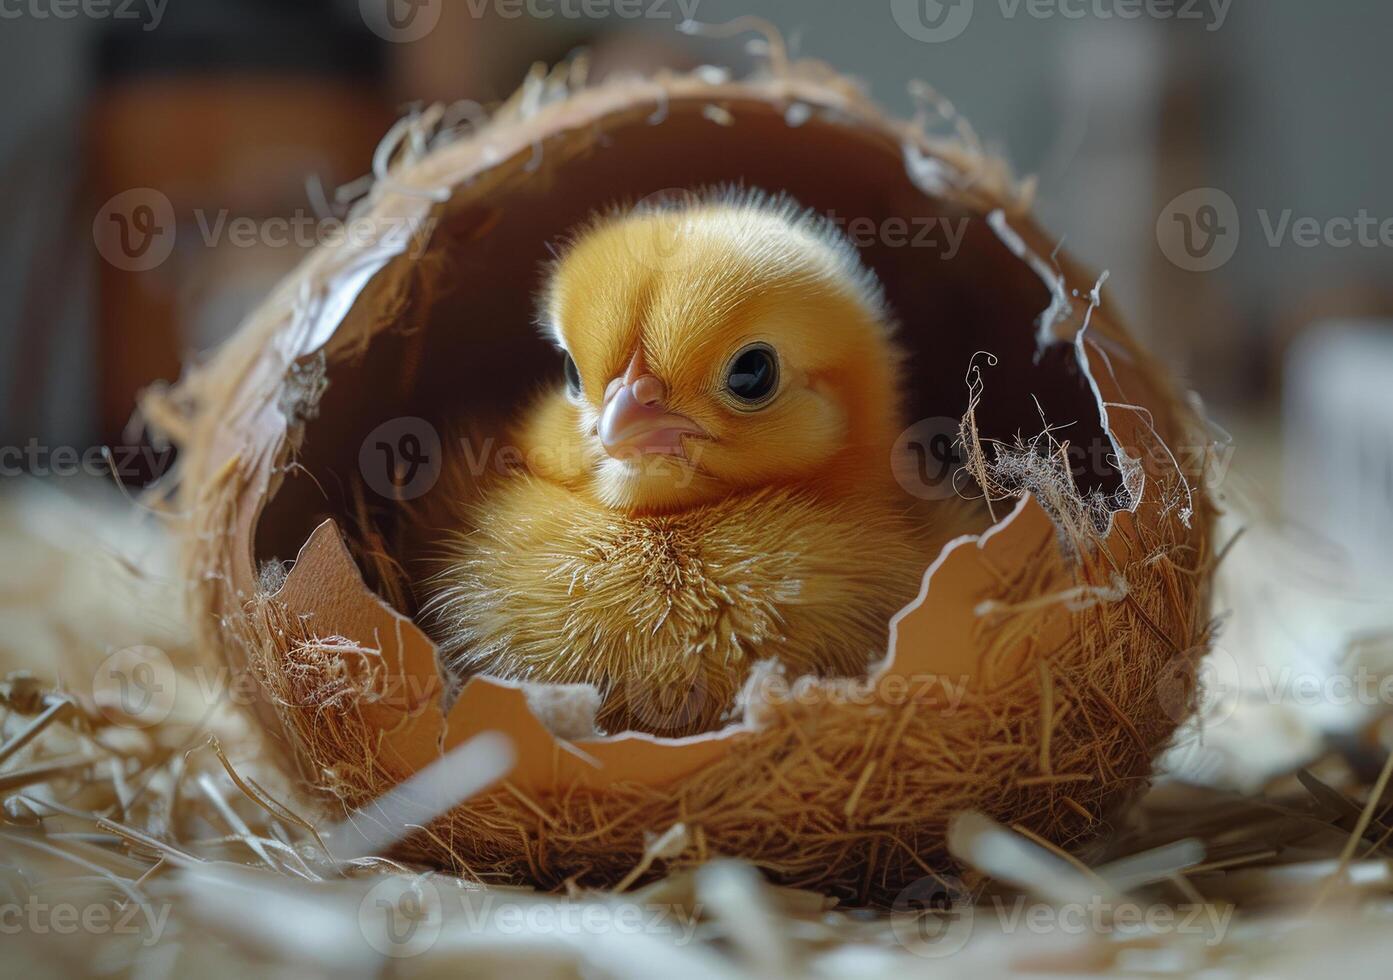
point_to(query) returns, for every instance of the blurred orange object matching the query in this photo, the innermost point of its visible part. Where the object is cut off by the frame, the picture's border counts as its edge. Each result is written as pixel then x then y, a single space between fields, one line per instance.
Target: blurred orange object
pixel 200 143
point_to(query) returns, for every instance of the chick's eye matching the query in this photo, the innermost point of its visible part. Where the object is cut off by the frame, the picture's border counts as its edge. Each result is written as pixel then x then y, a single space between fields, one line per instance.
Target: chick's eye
pixel 572 375
pixel 753 374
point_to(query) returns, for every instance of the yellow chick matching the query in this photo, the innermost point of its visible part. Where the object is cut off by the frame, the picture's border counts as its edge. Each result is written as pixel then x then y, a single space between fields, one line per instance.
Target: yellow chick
pixel 711 486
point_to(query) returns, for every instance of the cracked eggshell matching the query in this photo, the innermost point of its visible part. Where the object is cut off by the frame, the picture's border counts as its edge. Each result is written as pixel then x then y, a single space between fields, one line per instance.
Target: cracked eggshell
pixel 848 793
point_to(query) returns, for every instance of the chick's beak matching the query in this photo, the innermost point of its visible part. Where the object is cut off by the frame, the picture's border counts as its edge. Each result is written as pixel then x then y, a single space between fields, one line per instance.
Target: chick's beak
pixel 635 419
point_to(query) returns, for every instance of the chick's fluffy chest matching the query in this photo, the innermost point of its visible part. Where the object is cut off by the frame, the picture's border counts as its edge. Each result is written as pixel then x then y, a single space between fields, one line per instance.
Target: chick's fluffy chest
pixel 666 614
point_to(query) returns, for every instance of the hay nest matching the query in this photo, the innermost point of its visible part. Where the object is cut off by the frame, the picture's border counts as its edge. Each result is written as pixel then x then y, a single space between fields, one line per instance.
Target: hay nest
pixel 1034 678
pixel 180 845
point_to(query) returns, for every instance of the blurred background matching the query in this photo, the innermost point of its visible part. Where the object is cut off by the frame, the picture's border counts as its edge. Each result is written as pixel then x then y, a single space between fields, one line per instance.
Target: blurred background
pixel 1226 161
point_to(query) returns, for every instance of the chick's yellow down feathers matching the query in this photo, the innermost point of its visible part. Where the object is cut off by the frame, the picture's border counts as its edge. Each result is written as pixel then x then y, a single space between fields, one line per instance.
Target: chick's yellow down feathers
pixel 711 487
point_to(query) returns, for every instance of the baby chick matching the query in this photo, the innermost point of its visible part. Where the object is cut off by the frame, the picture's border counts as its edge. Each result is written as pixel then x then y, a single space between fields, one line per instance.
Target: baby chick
pixel 710 487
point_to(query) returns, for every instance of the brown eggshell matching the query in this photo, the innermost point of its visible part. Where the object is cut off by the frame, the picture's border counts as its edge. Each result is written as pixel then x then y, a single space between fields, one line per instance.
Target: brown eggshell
pixel 382 320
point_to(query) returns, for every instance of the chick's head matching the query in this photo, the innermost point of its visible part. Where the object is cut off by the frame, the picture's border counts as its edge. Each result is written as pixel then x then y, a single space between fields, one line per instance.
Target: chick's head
pixel 721 346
